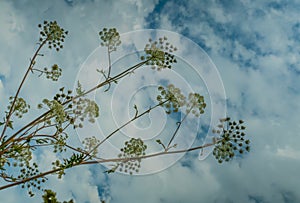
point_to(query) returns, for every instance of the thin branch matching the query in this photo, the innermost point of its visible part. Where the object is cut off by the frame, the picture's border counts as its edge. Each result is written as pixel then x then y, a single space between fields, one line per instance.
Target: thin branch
pixel 128 122
pixel 107 161
pixel 109 62
pixel 32 62
pixel 66 145
pixel 118 76
pixel 113 79
pixel 29 179
pixel 177 128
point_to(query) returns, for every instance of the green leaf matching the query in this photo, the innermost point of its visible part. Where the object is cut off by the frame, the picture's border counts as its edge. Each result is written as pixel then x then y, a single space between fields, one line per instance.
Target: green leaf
pixel 79 89
pixel 42 141
pixel 10 125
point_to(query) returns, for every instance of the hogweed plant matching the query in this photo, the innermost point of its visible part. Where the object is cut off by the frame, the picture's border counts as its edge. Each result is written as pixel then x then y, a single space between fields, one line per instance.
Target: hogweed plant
pixel 68 109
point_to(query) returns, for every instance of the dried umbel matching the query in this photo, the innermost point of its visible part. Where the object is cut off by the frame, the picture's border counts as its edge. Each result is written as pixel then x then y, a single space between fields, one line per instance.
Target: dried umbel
pixel 53 34
pixel 54 73
pixel 20 106
pixel 91 145
pixel 75 111
pixel 173 97
pixel 28 171
pixel 134 148
pixel 85 108
pixel 158 54
pixel 110 38
pixel 195 104
pixel 231 140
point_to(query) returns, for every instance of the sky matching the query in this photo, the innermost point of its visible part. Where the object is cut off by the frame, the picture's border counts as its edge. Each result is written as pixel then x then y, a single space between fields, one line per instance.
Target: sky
pixel 248 53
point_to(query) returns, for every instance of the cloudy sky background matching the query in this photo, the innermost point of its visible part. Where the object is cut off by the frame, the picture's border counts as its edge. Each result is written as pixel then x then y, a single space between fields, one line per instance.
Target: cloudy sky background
pixel 255 47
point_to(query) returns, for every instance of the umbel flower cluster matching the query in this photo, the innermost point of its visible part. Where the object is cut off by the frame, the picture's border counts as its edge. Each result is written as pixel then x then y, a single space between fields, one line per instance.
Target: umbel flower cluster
pixel 27 172
pixel 231 140
pixel 159 54
pixel 91 145
pixel 172 99
pixel 57 109
pixel 134 148
pixel 20 107
pixel 110 38
pixel 53 34
pixel 54 73
pixel 19 157
pixel 195 104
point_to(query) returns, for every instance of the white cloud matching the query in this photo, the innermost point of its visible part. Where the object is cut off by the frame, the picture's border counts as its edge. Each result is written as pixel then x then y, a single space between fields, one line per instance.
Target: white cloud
pixel 253 50
pixel 288 153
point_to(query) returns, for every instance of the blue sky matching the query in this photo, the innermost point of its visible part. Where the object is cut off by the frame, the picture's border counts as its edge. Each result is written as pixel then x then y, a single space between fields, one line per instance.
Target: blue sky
pixel 255 47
